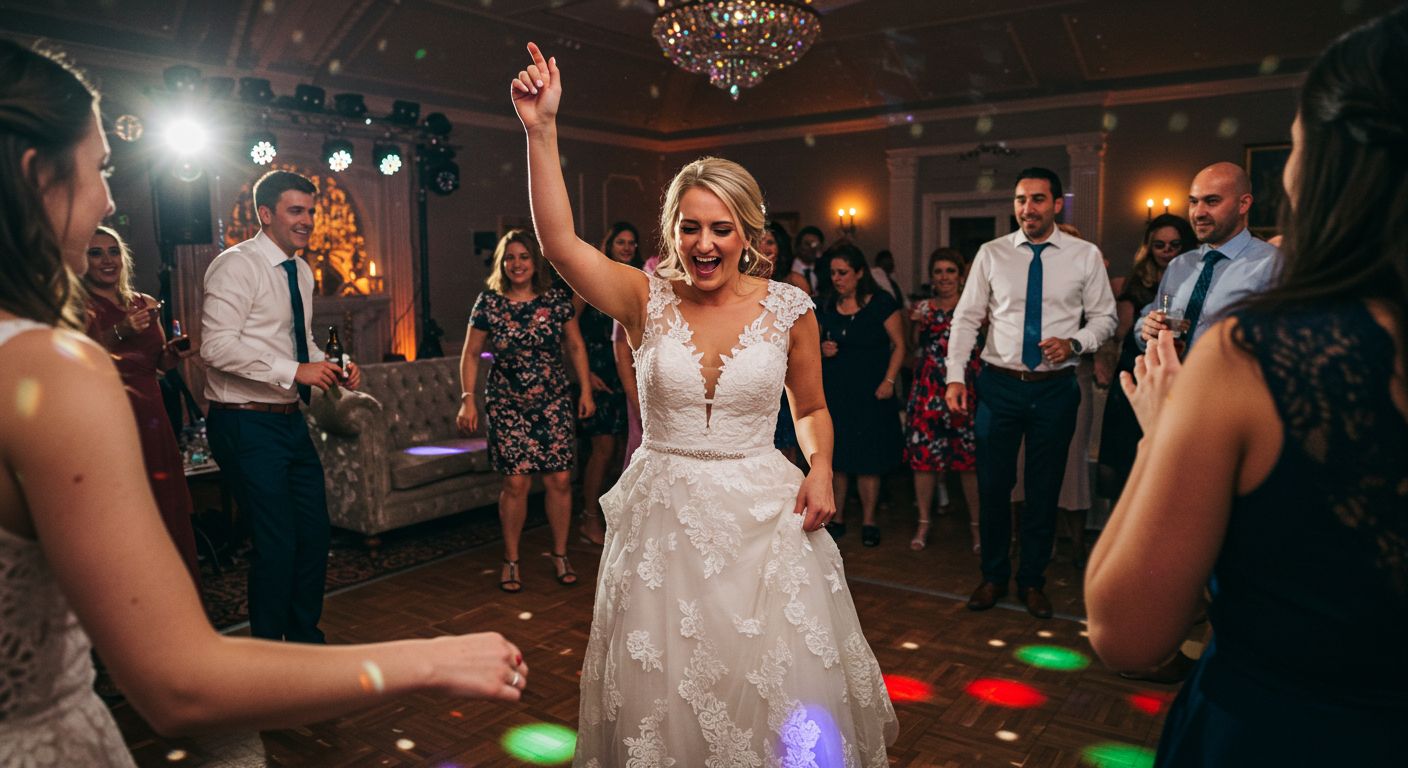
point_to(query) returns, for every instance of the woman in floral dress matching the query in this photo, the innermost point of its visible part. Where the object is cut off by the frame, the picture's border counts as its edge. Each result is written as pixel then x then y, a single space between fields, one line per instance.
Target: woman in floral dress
pixel 937 440
pixel 526 323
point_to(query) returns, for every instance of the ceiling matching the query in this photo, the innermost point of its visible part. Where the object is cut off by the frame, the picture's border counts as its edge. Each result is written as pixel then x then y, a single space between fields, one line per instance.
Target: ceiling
pixel 873 56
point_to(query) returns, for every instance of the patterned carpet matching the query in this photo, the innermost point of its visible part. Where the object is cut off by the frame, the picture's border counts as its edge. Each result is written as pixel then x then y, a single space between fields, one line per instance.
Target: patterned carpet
pixel 351 563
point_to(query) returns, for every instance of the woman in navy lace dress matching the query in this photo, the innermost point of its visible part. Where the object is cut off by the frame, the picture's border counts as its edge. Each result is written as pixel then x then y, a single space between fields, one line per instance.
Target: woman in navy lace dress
pixel 1275 463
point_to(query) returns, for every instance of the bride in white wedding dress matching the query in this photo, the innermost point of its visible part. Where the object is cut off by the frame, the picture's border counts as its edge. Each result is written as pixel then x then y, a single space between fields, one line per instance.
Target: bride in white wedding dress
pixel 723 632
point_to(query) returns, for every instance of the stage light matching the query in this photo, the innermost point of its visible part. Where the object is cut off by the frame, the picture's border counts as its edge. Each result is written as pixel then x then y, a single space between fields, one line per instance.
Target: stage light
pixel 263 148
pixel 186 170
pixel 186 137
pixel 445 178
pixel 437 124
pixel 181 78
pixel 129 128
pixel 387 158
pixel 350 105
pixel 309 98
pixel 338 153
pixel 404 112
pixel 255 90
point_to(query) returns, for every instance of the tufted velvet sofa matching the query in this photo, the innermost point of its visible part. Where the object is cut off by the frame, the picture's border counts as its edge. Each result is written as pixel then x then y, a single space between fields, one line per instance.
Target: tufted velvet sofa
pixel 391 453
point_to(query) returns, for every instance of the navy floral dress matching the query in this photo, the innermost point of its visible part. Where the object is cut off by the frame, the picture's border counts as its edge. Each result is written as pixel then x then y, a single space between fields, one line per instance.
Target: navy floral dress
pixel 531 416
pixel 610 416
pixel 936 439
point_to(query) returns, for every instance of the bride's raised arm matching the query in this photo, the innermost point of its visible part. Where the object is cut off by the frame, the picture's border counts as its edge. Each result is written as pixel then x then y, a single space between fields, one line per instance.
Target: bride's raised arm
pixel 617 289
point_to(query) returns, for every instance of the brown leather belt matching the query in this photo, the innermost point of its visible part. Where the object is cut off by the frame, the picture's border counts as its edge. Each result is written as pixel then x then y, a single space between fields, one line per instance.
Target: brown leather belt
pixel 260 407
pixel 1059 373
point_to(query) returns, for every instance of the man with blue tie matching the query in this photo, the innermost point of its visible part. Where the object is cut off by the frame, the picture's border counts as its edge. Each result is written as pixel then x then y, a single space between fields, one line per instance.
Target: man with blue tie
pixel 1229 265
pixel 1034 287
pixel 261 360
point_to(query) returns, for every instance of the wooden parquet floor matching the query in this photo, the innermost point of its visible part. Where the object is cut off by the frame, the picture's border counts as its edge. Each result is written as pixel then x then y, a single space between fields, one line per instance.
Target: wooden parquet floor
pixel 911 605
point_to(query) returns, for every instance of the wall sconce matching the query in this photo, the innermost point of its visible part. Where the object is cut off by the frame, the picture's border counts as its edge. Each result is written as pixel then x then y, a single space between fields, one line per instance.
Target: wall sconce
pixel 374 278
pixel 1149 208
pixel 846 222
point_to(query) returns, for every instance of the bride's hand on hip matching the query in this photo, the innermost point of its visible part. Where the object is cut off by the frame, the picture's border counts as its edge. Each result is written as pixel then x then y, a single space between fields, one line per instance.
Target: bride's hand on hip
pixel 815 500
pixel 537 90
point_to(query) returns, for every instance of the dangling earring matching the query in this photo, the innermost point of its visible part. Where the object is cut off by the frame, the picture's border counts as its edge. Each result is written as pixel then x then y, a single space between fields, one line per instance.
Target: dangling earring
pixel 746 263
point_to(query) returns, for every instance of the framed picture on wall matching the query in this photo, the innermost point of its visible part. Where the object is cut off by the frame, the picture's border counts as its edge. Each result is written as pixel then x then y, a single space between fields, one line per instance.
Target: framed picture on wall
pixel 1264 164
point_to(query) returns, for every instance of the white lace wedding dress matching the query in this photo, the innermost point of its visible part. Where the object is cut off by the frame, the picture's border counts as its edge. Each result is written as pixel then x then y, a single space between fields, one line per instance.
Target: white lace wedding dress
pixel 49 715
pixel 722 634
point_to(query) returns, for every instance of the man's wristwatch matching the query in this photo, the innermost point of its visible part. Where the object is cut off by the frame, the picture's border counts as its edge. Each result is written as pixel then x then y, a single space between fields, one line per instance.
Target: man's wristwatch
pixel 1076 348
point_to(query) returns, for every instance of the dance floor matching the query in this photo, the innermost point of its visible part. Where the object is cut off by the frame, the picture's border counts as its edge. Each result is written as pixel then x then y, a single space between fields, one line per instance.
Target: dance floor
pixel 997 688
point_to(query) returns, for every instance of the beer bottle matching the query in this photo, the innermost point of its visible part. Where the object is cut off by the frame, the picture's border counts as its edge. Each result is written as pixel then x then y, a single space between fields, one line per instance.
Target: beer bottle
pixel 337 357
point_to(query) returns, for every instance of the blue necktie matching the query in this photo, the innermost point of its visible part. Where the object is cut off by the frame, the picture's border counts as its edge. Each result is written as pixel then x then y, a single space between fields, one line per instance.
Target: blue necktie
pixel 1200 292
pixel 300 331
pixel 1031 324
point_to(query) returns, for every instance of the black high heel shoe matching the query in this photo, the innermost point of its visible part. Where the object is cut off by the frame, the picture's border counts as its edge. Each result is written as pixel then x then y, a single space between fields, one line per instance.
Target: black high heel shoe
pixel 870 535
pixel 510 581
pixel 565 575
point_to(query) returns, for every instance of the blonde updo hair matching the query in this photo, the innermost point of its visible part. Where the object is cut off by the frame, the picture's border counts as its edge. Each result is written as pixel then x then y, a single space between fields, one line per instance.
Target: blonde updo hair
pixel 738 190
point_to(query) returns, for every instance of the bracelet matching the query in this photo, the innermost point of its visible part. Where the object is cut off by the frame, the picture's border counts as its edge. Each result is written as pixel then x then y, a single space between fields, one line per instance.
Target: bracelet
pixel 889 380
pixel 117 331
pixel 463 395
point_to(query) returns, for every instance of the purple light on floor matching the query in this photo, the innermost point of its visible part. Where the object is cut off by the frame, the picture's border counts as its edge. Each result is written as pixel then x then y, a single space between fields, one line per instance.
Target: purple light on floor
pixel 435 450
pixel 827 751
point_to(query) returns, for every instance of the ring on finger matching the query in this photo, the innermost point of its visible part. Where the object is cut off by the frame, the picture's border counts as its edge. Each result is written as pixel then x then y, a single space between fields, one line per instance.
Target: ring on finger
pixel 514 682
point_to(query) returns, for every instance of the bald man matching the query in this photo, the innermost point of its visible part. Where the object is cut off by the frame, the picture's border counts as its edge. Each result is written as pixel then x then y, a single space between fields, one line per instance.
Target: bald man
pixel 1229 264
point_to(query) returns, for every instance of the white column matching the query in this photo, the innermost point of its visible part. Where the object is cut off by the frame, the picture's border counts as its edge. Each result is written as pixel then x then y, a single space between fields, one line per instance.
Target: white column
pixel 1087 184
pixel 903 191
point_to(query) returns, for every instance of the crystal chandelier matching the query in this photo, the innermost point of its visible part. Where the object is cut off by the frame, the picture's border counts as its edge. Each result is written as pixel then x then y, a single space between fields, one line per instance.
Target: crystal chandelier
pixel 735 42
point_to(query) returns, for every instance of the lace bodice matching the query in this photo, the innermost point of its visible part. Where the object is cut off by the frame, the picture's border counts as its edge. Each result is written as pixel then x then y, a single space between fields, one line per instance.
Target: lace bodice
pixel 48 712
pixel 675 408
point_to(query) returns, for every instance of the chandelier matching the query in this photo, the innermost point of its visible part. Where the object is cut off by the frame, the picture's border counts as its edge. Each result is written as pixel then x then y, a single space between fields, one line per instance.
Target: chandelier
pixel 735 42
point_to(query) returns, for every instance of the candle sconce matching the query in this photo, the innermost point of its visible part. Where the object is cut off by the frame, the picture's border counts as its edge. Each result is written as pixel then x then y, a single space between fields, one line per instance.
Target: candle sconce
pixel 846 221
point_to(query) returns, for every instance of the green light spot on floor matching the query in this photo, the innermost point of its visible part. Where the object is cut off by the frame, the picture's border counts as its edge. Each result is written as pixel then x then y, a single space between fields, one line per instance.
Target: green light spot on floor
pixel 1115 755
pixel 420 54
pixel 541 743
pixel 1052 657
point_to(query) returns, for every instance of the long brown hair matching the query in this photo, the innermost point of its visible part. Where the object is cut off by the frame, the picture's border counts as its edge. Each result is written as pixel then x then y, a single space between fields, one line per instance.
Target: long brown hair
pixel 1347 234
pixel 542 271
pixel 47 106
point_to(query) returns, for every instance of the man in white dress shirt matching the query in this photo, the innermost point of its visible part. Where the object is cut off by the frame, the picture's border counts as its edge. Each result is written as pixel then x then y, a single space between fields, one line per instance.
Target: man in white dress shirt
pixel 1033 287
pixel 261 360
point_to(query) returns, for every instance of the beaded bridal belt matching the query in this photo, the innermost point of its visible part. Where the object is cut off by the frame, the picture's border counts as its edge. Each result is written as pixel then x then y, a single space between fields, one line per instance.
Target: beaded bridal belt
pixel 706 454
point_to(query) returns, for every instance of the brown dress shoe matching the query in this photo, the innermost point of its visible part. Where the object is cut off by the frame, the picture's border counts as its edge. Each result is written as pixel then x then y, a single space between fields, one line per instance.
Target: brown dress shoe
pixel 986 596
pixel 1036 602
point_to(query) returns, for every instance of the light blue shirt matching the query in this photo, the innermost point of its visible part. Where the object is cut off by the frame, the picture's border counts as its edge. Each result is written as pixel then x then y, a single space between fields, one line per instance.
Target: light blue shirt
pixel 1250 267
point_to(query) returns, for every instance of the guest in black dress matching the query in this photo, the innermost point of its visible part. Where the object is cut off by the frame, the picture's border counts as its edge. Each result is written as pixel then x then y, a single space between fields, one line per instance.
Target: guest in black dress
pixel 776 245
pixel 607 427
pixel 1275 463
pixel 1165 237
pixel 526 323
pixel 862 347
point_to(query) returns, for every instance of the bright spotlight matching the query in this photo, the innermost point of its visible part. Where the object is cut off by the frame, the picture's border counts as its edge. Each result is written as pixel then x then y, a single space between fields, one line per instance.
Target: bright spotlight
pixel 338 153
pixel 263 148
pixel 186 137
pixel 387 158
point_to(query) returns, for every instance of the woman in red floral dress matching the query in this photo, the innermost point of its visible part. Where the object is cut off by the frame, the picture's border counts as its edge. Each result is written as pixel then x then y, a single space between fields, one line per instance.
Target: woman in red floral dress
pixel 937 440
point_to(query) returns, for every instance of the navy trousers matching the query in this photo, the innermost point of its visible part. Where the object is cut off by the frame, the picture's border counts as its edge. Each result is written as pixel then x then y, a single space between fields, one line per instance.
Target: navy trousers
pixel 1044 413
pixel 273 470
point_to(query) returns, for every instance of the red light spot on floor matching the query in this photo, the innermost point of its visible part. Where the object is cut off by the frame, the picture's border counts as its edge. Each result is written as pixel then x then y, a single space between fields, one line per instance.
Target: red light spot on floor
pixel 904 689
pixel 1150 702
pixel 1005 693
pixel 456 713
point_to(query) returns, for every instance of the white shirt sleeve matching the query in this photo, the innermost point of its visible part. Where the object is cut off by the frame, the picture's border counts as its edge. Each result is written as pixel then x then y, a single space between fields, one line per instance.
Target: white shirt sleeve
pixel 230 290
pixel 1101 319
pixel 968 316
